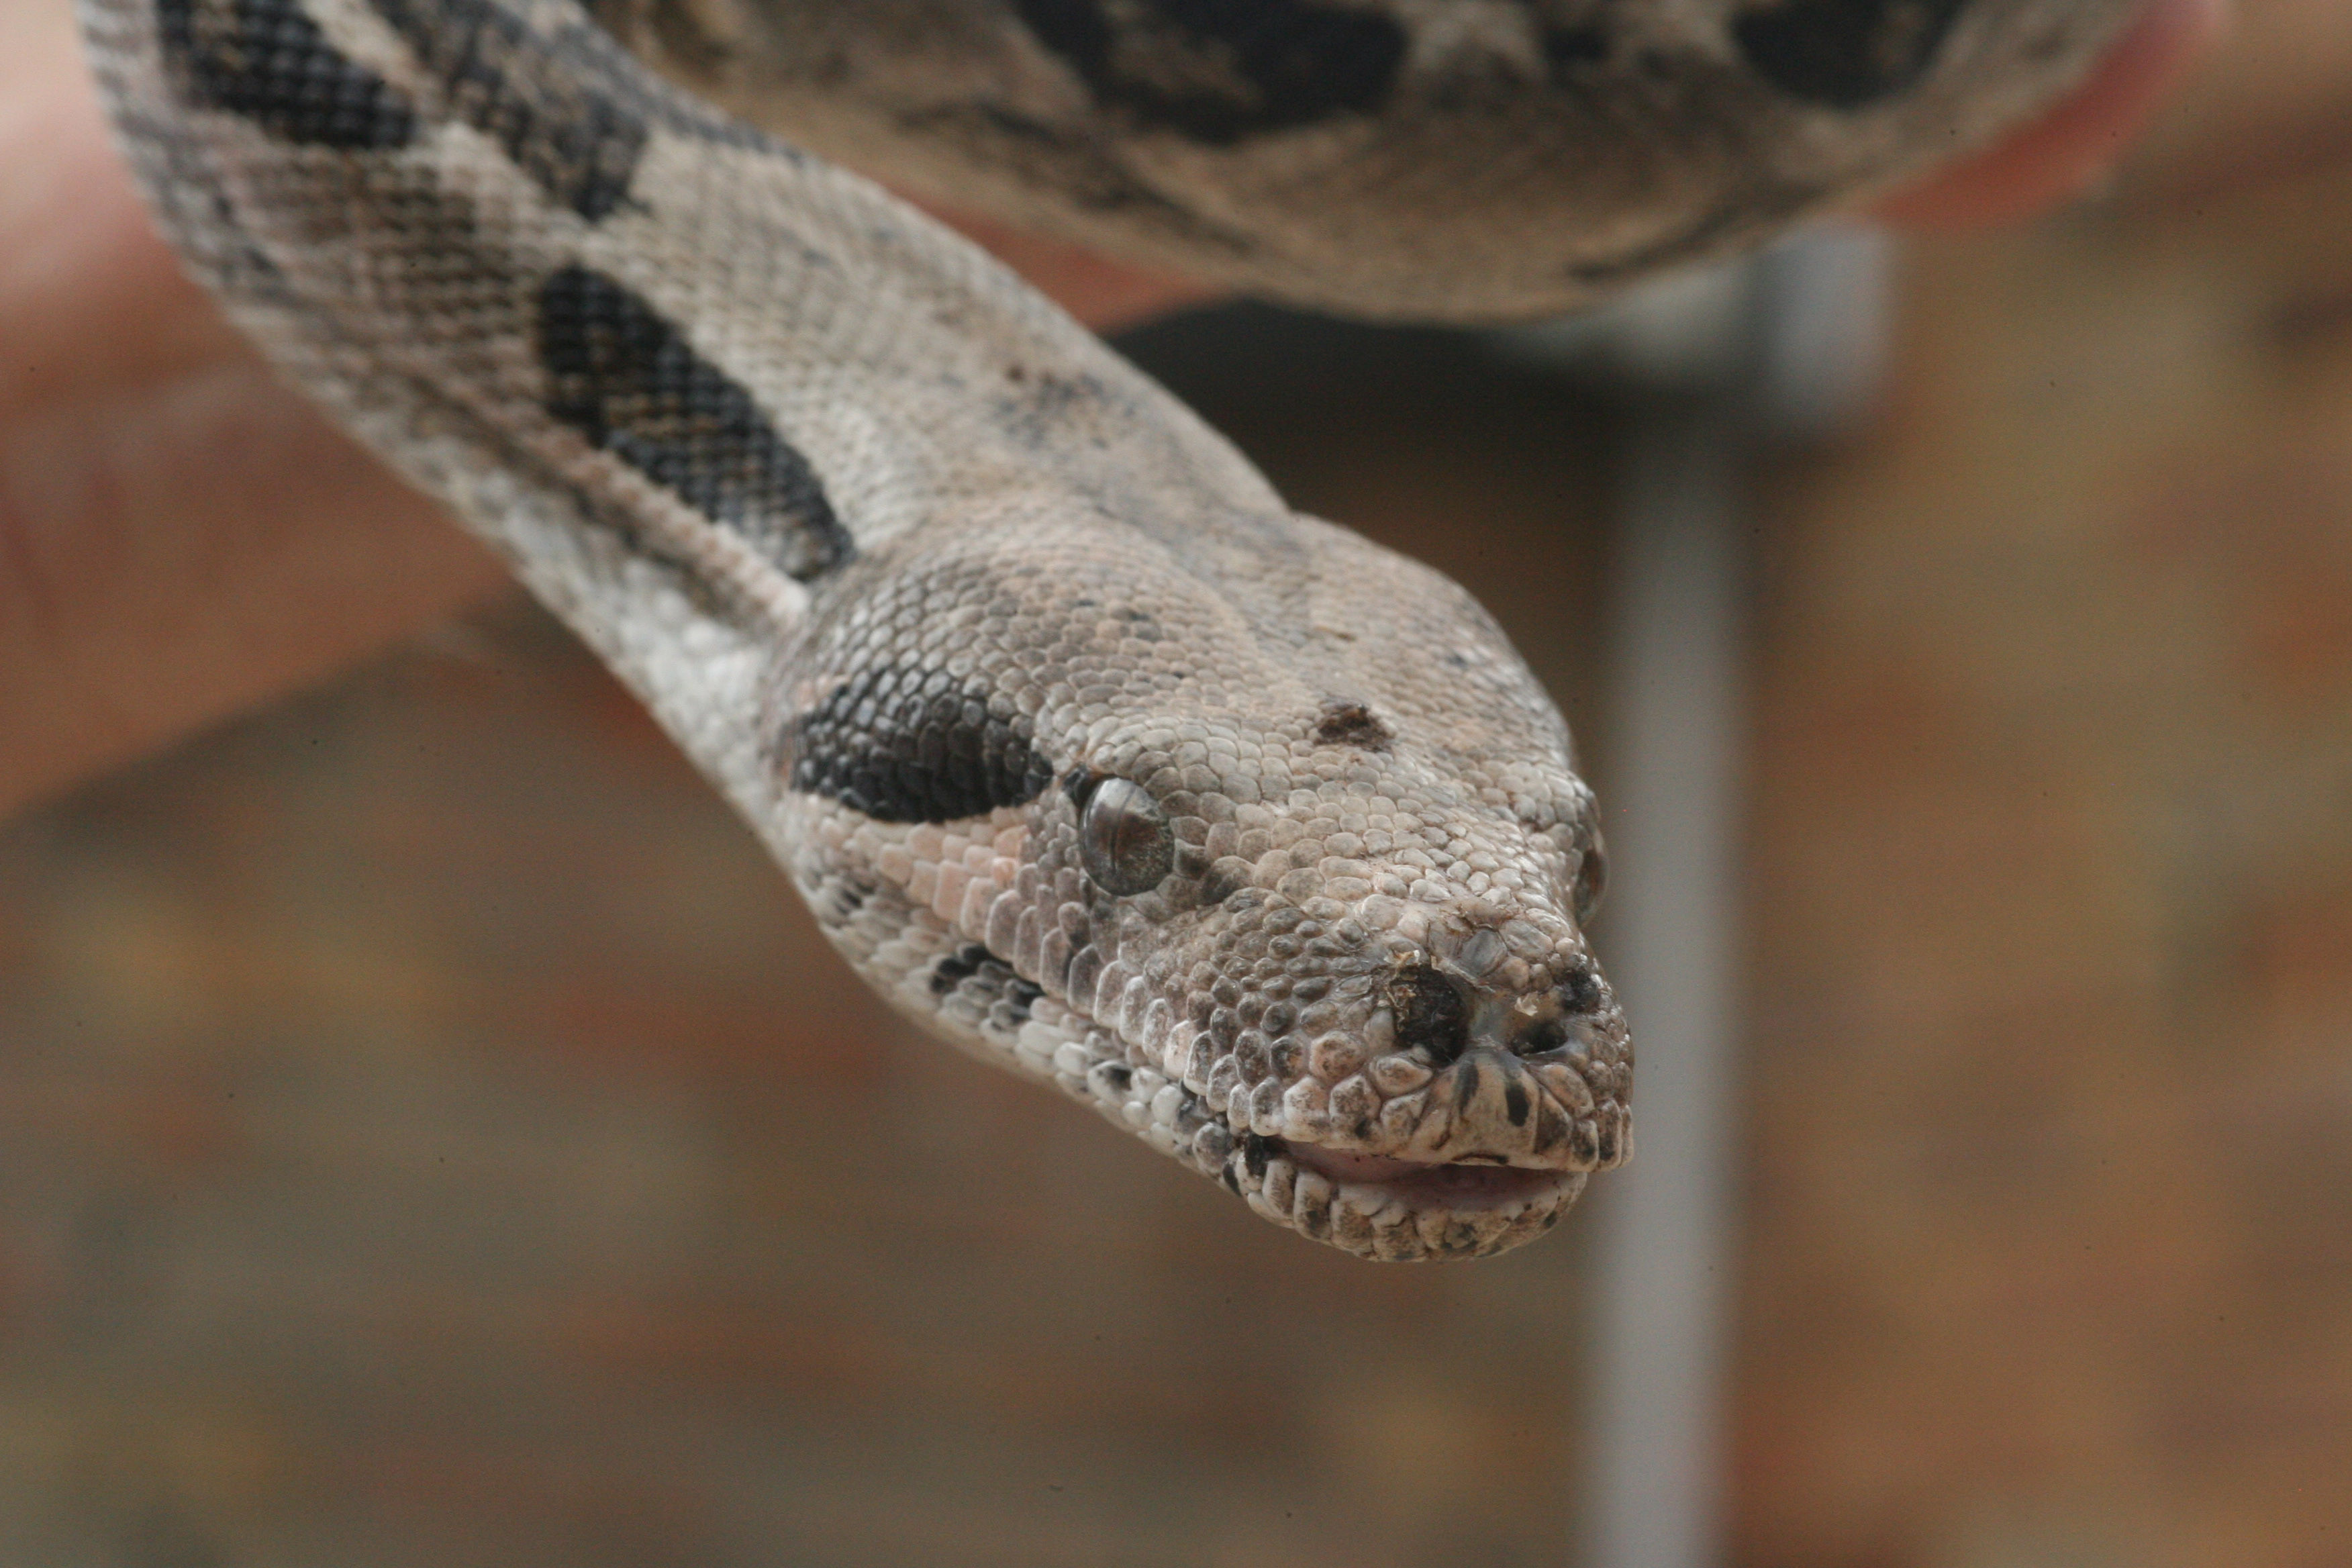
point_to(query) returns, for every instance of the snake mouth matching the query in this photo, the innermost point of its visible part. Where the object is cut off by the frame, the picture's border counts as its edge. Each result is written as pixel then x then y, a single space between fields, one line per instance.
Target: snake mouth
pixel 1398 1209
pixel 1462 1186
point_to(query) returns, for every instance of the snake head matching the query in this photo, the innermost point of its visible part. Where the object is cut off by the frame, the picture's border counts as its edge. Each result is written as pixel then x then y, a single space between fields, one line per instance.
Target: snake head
pixel 1311 920
pixel 1361 980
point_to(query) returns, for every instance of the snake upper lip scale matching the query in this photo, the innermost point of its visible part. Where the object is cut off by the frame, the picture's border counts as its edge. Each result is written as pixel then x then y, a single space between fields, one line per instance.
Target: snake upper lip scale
pixel 1085 751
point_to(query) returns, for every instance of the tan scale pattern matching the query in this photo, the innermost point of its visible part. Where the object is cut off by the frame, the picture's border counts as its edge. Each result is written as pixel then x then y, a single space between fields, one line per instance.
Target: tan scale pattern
pixel 1240 1011
pixel 1360 995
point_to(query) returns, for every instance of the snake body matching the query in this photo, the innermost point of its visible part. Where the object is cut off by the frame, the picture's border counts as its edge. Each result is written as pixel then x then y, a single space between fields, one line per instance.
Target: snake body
pixel 1085 751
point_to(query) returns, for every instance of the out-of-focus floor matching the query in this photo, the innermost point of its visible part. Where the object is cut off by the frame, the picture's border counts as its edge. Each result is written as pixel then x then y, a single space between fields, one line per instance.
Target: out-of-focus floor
pixel 430 1134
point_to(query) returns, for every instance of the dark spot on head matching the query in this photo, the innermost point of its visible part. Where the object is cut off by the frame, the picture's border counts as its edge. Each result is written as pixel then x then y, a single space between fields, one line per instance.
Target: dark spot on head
pixel 627 380
pixel 1429 1013
pixel 1218 70
pixel 267 62
pixel 914 745
pixel 1465 1086
pixel 1551 1126
pixel 1515 1103
pixel 1346 721
pixel 1846 54
pixel 1581 990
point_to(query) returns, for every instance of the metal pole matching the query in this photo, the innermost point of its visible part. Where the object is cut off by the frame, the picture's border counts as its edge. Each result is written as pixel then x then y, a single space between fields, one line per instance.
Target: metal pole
pixel 1791 344
pixel 1653 1498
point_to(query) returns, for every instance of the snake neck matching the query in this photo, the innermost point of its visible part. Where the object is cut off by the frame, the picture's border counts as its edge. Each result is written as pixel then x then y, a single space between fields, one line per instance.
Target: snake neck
pixel 681 374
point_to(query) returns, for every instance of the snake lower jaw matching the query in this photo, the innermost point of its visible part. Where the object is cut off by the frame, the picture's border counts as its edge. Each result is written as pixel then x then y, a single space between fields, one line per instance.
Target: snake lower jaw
pixel 1401 1210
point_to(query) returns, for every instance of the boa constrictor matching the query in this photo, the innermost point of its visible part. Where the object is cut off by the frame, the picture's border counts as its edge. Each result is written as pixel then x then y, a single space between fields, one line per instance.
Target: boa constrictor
pixel 1086 749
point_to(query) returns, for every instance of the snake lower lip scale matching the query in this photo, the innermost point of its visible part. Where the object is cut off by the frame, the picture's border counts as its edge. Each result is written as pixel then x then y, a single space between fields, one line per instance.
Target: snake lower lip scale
pixel 1085 751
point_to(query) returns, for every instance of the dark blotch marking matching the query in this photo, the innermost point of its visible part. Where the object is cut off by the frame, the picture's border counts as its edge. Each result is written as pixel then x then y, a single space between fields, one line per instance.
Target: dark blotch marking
pixel 1219 70
pixel 627 380
pixel 573 133
pixel 1551 1127
pixel 958 967
pixel 1429 1014
pixel 1466 1086
pixel 1257 1150
pixel 1346 721
pixel 914 745
pixel 1581 990
pixel 1119 1077
pixel 267 61
pixel 1516 1104
pixel 851 895
pixel 1845 53
pixel 994 974
pixel 1568 50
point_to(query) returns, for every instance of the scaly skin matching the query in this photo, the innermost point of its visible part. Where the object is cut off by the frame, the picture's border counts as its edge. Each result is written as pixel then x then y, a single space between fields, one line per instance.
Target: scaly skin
pixel 1086 749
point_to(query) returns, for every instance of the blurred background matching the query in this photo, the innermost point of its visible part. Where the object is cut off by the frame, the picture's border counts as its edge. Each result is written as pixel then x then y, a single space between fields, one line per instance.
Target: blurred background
pixel 430 1133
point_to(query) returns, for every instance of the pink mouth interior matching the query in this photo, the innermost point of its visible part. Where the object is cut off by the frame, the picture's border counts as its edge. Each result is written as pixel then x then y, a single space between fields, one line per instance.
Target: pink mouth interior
pixel 1453 1186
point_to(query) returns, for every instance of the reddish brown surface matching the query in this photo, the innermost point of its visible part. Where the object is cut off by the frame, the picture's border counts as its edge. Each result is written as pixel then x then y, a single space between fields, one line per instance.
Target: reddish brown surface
pixel 2051 1256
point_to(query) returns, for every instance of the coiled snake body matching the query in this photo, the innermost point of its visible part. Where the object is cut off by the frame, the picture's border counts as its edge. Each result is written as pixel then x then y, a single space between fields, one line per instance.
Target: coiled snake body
pixel 1085 749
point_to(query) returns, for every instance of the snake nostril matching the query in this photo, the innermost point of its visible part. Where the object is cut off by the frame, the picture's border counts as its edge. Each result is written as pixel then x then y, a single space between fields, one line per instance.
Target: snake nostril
pixel 1429 1013
pixel 1545 1034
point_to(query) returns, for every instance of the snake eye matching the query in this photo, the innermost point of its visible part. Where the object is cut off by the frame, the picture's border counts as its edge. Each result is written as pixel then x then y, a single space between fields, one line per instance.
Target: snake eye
pixel 1124 838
